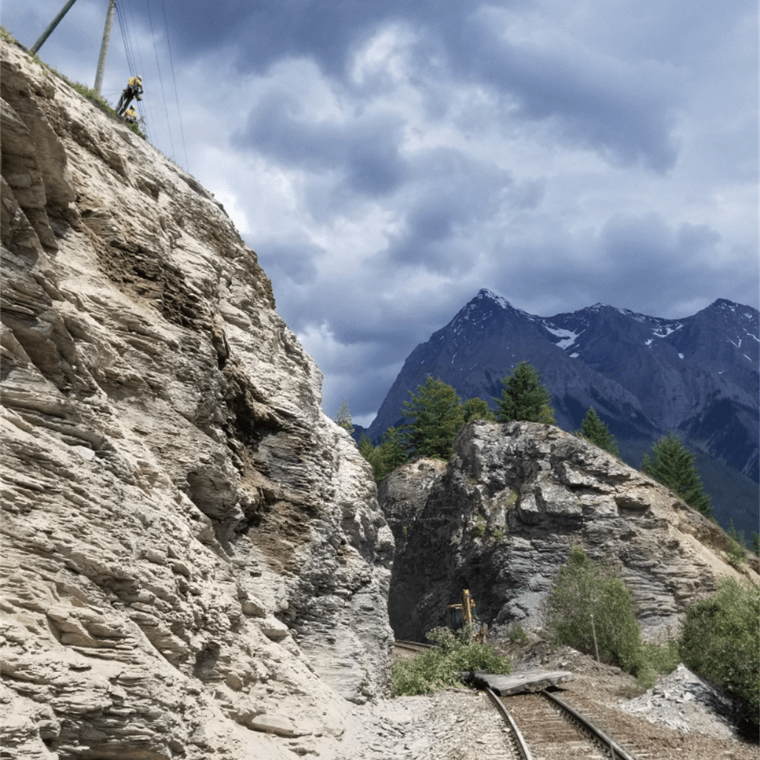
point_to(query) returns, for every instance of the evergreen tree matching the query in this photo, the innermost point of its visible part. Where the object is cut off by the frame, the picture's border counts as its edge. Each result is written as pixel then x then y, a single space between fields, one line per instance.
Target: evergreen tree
pixel 670 463
pixel 547 414
pixel 365 447
pixel 343 417
pixel 524 397
pixel 594 430
pixel 386 457
pixel 370 453
pixel 477 409
pixel 391 452
pixel 437 417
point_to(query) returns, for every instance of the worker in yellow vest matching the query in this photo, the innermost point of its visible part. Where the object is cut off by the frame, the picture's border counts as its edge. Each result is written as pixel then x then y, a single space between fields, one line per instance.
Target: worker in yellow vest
pixel 132 91
pixel 130 116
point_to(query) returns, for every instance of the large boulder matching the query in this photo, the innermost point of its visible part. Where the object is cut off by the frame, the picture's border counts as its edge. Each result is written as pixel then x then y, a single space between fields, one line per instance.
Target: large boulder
pixel 501 517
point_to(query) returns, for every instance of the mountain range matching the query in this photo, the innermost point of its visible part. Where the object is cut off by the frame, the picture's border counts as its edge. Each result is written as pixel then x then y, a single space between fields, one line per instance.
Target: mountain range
pixel 644 375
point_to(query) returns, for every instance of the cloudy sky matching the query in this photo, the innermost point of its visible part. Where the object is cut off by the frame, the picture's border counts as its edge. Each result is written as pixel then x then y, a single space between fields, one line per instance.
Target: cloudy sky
pixel 386 160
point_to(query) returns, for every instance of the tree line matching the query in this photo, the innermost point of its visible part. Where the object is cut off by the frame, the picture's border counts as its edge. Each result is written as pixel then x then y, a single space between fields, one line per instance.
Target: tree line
pixel 435 415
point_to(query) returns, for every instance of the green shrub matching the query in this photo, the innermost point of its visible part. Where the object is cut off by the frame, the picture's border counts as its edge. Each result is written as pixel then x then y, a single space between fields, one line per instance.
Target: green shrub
pixel 663 657
pixel 517 635
pixel 656 658
pixel 442 666
pixel 588 598
pixel 721 642
pixel 736 554
pixel 737 543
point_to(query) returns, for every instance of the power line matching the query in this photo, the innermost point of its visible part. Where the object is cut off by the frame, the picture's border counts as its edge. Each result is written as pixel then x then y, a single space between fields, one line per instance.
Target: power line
pixel 160 78
pixel 174 81
pixel 127 26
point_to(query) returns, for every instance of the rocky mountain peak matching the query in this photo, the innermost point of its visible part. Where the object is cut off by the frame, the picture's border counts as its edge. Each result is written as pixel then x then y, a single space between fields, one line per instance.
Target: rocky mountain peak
pixel 645 375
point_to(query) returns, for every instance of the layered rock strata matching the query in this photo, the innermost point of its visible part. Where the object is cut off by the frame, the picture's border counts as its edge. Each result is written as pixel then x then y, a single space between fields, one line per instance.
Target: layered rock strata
pixel 501 517
pixel 193 563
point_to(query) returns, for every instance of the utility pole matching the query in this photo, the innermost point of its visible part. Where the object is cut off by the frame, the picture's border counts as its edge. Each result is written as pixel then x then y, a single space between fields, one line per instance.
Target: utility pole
pixel 49 30
pixel 104 45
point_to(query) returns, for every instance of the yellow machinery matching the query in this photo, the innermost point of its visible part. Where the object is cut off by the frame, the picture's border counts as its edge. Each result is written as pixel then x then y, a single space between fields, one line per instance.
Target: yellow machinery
pixel 461 615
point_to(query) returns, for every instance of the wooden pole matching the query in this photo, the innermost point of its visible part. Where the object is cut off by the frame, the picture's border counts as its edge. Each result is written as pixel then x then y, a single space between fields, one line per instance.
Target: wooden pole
pixel 53 25
pixel 104 45
pixel 593 630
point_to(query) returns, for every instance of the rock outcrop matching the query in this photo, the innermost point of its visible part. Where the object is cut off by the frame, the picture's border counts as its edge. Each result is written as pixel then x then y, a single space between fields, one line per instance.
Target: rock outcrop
pixel 193 562
pixel 501 518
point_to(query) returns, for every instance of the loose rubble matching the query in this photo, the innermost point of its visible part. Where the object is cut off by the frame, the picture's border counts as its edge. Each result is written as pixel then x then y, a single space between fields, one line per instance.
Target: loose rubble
pixel 685 702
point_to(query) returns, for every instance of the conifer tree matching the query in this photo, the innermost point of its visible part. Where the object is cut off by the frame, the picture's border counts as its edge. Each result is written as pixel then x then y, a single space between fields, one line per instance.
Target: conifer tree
pixel 391 452
pixel 343 417
pixel 437 417
pixel 387 456
pixel 524 397
pixel 477 409
pixel 370 453
pixel 670 463
pixel 594 430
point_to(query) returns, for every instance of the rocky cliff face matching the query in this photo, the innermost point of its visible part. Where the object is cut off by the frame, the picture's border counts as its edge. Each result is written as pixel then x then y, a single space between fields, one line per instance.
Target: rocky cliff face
pixel 501 517
pixel 193 562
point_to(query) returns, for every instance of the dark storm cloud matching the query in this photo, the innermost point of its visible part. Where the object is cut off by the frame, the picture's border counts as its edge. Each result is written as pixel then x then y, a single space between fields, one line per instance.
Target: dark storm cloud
pixel 431 227
pixel 267 31
pixel 623 111
pixel 389 159
pixel 363 150
pixel 293 262
pixel 610 110
pixel 638 262
pixel 454 195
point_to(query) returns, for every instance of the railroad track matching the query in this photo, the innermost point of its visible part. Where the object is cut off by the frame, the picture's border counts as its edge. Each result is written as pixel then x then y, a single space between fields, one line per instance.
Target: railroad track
pixel 412 646
pixel 544 727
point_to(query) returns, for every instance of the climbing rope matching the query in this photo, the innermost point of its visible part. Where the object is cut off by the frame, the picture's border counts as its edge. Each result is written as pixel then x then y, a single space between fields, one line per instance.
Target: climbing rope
pixel 125 12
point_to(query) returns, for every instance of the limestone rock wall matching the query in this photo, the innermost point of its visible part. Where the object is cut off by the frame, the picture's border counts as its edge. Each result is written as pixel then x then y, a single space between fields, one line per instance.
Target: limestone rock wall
pixel 192 561
pixel 501 518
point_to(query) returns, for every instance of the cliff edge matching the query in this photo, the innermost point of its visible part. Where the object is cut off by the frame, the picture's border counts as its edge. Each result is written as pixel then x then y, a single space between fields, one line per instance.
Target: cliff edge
pixel 192 561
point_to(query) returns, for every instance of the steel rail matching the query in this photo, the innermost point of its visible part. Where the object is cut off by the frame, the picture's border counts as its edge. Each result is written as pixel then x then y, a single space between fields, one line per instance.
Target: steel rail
pixel 617 752
pixel 413 645
pixel 519 740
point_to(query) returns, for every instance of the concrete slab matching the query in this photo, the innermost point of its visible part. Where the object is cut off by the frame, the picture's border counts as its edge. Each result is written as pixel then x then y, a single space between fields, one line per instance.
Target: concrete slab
pixel 521 680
